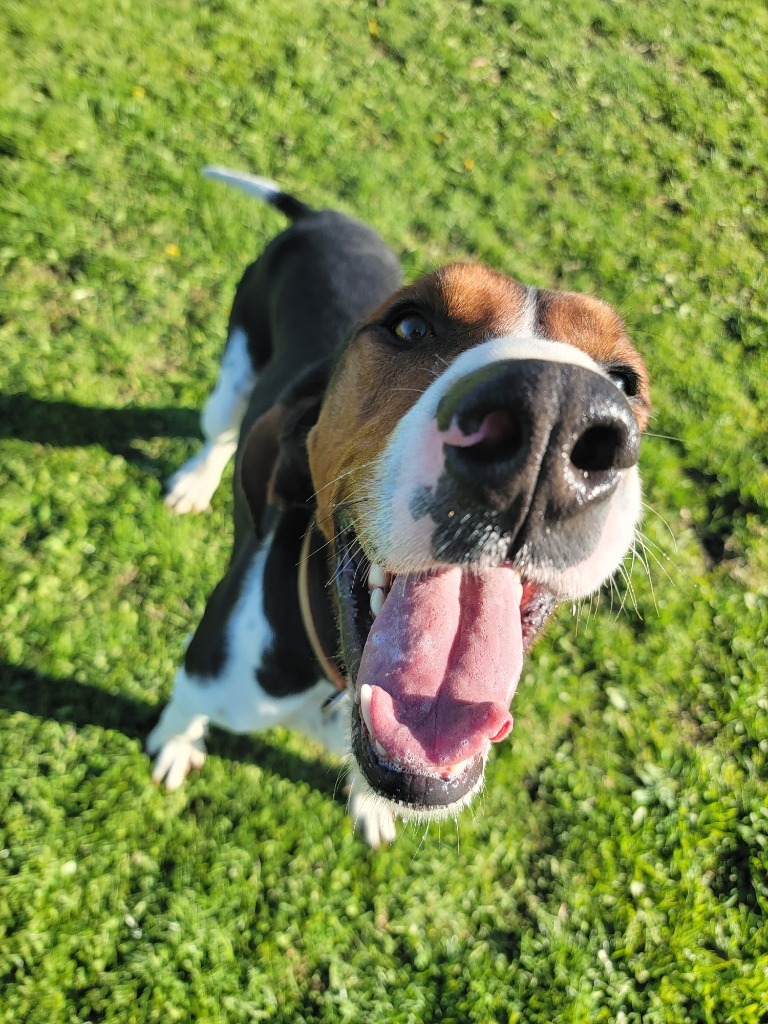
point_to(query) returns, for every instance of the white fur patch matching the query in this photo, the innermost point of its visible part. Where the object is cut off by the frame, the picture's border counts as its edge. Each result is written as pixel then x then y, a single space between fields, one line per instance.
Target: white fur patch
pixel 234 700
pixel 261 188
pixel 191 487
pixel 525 327
pixel 223 412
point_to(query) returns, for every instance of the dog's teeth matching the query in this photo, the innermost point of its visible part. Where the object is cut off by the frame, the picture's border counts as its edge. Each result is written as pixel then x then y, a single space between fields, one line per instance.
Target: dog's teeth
pixel 366 693
pixel 377 601
pixel 377 577
pixel 519 586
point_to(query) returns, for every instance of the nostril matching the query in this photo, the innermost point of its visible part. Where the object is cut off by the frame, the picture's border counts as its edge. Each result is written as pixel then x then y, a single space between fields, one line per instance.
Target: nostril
pixel 497 437
pixel 598 449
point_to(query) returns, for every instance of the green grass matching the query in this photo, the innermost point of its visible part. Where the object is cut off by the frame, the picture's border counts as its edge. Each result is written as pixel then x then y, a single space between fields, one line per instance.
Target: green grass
pixel 616 869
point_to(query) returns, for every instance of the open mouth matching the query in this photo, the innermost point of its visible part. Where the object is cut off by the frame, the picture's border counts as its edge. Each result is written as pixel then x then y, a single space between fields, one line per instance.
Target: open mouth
pixel 434 659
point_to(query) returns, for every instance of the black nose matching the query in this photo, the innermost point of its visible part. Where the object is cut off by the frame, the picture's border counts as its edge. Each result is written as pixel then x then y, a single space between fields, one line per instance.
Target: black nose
pixel 537 433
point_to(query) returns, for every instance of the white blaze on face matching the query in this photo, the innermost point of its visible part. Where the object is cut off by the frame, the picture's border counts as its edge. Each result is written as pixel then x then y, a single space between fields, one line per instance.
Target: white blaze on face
pixel 413 461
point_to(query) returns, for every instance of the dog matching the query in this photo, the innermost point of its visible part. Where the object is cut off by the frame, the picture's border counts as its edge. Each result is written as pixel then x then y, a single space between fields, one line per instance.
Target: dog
pixel 423 473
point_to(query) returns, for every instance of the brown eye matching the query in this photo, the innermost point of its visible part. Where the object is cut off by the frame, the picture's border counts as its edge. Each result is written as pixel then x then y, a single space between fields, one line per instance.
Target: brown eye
pixel 625 379
pixel 412 328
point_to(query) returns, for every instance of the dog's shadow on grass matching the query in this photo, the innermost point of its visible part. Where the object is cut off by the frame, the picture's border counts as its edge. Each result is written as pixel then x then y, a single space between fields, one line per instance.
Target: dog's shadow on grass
pixel 66 424
pixel 68 701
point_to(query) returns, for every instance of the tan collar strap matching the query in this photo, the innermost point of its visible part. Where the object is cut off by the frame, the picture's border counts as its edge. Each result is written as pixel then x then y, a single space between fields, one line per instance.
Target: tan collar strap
pixel 328 663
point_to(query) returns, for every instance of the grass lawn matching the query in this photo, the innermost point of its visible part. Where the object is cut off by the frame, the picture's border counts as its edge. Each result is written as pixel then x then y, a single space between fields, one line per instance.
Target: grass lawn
pixel 616 868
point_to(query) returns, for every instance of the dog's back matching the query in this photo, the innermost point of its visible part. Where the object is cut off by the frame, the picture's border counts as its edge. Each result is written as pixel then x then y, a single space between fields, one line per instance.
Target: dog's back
pixel 300 299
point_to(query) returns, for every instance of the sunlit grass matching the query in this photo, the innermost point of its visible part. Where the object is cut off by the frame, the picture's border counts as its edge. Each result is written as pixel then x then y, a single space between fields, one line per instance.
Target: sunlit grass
pixel 615 867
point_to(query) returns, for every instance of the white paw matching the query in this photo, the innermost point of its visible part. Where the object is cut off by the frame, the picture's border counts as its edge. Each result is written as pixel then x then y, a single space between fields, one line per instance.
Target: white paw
pixel 371 815
pixel 175 761
pixel 177 756
pixel 191 488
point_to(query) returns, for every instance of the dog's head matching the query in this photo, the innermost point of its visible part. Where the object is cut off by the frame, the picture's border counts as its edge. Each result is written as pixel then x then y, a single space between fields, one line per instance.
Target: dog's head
pixel 474 462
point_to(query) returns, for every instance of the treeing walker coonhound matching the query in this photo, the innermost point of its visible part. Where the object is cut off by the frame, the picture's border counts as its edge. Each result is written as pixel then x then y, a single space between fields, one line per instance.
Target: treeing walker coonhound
pixel 422 474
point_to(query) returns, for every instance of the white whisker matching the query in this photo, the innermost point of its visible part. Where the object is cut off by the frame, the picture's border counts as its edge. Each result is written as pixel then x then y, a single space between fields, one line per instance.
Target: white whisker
pixel 342 476
pixel 649 508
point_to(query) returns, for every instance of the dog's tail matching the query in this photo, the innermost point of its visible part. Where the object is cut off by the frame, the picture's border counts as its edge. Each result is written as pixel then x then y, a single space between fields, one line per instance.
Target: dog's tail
pixel 262 188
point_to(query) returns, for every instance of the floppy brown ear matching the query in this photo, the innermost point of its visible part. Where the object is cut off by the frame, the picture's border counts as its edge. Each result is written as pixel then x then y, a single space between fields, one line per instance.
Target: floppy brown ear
pixel 274 465
pixel 257 462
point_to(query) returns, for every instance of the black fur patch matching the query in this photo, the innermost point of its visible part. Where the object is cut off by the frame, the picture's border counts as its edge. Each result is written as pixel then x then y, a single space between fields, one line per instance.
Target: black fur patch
pixel 458 537
pixel 288 665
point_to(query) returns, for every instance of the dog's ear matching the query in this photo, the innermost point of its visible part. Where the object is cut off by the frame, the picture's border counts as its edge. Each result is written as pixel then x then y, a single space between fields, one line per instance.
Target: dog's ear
pixel 274 464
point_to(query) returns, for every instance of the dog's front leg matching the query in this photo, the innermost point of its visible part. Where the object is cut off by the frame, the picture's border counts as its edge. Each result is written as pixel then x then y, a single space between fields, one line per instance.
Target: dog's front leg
pixel 178 740
pixel 191 487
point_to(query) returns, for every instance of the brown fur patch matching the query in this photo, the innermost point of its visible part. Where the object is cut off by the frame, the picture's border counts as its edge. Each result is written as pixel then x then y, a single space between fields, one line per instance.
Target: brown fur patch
pixel 257 460
pixel 483 299
pixel 594 327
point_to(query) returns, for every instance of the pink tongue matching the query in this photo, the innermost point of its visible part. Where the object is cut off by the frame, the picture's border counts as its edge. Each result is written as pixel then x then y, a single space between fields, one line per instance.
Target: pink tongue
pixel 443 660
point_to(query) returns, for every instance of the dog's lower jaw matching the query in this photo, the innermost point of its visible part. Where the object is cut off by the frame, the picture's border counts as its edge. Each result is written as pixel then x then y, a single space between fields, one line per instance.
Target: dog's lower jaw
pixel 368 808
pixel 413 792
